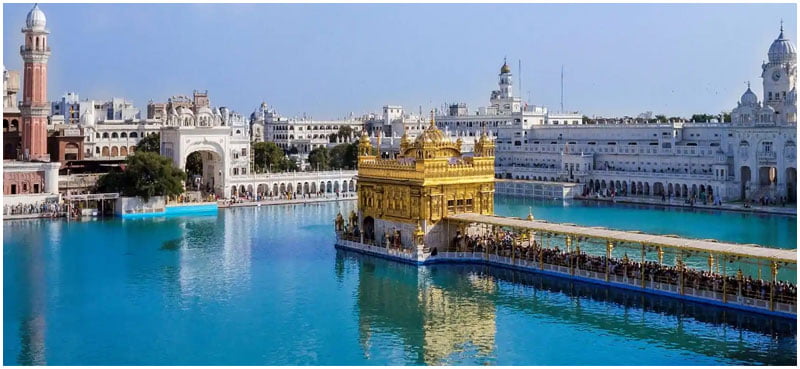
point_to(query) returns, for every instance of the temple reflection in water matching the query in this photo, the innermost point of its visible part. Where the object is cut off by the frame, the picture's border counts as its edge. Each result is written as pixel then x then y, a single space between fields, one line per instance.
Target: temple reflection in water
pixel 450 314
pixel 433 323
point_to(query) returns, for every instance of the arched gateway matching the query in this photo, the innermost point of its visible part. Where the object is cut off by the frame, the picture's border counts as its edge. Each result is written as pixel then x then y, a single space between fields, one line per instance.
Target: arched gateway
pixel 221 138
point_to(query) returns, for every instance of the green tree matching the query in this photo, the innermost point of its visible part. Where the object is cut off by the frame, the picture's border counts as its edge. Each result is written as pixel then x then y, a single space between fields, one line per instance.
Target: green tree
pixel 661 118
pixel 268 156
pixel 150 143
pixel 146 174
pixel 194 164
pixel 343 156
pixel 702 118
pixel 344 132
pixel 726 116
pixel 318 158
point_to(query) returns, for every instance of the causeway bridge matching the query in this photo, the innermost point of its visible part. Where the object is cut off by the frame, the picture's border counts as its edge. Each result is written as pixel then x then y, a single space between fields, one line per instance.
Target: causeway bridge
pixel 743 277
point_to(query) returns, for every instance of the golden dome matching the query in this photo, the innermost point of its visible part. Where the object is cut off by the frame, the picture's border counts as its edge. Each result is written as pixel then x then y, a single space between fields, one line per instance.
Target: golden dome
pixel 505 68
pixel 430 135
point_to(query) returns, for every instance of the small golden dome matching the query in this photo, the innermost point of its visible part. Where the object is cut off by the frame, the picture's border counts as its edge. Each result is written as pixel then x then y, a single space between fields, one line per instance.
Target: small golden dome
pixel 505 68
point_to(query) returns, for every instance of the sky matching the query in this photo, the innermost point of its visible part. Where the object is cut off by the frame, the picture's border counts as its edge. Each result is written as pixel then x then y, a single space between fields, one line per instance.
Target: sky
pixel 328 60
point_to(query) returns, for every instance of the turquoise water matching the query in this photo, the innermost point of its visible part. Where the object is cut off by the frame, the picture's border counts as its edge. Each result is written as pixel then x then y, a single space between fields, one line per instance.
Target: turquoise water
pixel 265 286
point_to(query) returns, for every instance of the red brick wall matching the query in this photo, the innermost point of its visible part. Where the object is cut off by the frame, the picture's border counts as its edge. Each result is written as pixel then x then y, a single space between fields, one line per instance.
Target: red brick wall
pixel 23 182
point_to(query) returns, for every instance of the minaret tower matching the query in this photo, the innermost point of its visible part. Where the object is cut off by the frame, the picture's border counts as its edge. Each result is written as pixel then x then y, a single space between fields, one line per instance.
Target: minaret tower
pixel 505 81
pixel 779 73
pixel 35 108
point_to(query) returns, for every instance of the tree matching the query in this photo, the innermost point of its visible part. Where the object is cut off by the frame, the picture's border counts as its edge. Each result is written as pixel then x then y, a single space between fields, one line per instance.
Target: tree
pixel 344 132
pixel 661 118
pixel 267 156
pixel 726 116
pixel 343 156
pixel 146 174
pixel 318 158
pixel 702 118
pixel 150 143
pixel 194 164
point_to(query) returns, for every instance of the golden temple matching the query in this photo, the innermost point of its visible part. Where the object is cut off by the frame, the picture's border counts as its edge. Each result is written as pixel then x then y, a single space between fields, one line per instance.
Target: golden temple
pixel 428 180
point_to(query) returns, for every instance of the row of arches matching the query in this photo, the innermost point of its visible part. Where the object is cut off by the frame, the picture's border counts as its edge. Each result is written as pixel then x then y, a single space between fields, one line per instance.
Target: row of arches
pixel 114 150
pixel 10 125
pixel 644 188
pixel 115 135
pixel 298 188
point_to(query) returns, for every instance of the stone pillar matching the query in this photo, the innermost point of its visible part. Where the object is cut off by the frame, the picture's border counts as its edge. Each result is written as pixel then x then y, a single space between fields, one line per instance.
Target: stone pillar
pixel 51 177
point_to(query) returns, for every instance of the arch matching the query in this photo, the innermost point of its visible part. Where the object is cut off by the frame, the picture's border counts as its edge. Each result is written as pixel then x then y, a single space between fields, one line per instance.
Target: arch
pixel 123 151
pixel 283 188
pixel 767 176
pixel 123 135
pixel 745 176
pixel 306 187
pixel 249 189
pixel 791 184
pixel 322 187
pixel 14 125
pixel 114 151
pixel 352 185
pixel 335 186
pixel 299 188
pixel 242 190
pixel 313 187
pixel 114 135
pixel 275 189
pixel 105 134
pixel 133 135
pixel 669 189
pixel 329 187
pixel 647 188
pixel 233 191
pixel 368 227
pixel 261 189
pixel 289 188
pixel 694 190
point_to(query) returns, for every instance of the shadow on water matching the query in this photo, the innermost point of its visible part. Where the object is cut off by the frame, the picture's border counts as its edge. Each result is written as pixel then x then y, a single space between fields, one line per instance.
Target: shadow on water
pixel 397 297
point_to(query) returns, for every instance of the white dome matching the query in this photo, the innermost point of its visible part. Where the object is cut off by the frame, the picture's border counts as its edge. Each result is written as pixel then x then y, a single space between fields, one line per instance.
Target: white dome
pixel 749 98
pixel 36 19
pixel 781 50
pixel 205 110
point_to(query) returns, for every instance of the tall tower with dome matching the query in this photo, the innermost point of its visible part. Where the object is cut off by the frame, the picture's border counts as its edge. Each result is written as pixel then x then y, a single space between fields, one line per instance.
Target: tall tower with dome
pixel 35 107
pixel 779 75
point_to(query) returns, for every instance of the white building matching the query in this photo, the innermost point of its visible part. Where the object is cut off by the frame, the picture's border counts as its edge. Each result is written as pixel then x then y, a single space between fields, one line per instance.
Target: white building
pixel 505 111
pixel 300 134
pixel 751 157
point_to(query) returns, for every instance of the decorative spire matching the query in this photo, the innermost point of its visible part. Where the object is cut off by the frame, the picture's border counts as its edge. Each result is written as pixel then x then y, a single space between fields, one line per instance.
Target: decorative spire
pixel 781 36
pixel 530 213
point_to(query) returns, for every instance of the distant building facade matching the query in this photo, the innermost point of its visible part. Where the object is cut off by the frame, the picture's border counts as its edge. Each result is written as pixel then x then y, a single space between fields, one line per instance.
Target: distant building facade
pixel 753 156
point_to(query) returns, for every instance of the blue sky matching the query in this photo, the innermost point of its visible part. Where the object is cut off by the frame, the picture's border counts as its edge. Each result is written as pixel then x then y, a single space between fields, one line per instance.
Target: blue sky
pixel 329 60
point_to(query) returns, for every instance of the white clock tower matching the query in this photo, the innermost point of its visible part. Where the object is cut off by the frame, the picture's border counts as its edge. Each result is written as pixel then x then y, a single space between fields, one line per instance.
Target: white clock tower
pixel 779 74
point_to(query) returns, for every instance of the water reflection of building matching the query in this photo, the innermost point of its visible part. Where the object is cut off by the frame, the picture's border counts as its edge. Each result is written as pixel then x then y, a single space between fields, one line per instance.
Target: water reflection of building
pixel 432 322
pixel 214 254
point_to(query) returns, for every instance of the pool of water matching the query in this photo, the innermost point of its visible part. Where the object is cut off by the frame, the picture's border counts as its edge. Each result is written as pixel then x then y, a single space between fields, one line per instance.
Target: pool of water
pixel 265 286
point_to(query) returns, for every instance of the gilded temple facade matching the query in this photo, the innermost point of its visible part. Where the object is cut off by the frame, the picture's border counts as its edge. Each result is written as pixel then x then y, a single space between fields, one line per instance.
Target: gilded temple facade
pixel 402 200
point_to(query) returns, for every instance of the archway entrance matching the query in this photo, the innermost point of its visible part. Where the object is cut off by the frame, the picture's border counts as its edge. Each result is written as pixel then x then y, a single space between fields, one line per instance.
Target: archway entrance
pixel 204 172
pixel 767 176
pixel 745 178
pixel 369 229
pixel 791 184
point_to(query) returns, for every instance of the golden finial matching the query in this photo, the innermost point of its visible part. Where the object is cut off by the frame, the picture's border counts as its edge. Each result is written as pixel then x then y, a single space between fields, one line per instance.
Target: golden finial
pixel 433 120
pixel 530 213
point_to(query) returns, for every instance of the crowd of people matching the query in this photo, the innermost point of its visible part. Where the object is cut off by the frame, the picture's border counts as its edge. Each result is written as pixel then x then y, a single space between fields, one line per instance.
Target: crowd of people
pixel 50 209
pixel 736 284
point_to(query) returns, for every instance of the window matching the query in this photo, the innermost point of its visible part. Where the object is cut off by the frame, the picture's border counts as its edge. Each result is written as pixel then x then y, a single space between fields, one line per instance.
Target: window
pixel 611 143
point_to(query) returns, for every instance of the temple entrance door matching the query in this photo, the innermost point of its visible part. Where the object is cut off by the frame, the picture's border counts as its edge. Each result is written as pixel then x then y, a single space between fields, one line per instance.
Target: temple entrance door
pixel 745 179
pixel 791 184
pixel 369 229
